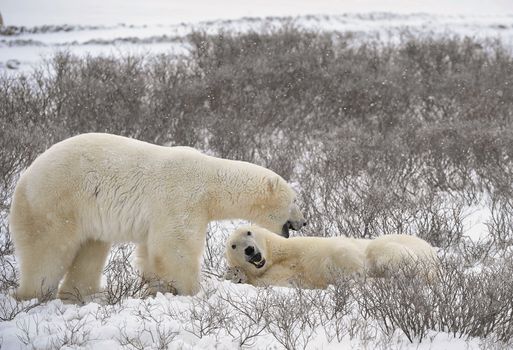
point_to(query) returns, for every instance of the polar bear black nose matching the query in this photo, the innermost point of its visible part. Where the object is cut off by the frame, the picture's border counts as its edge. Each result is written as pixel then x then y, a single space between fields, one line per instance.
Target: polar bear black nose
pixel 249 250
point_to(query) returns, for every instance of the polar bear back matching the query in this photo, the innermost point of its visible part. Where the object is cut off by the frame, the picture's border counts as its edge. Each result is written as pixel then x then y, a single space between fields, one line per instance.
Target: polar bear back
pixel 100 179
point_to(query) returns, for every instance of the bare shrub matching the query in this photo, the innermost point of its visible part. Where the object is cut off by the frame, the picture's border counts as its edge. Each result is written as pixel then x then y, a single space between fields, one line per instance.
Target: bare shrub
pixel 10 307
pixel 151 330
pixel 72 333
pixel 206 315
pixel 122 278
pixel 441 221
pixel 500 225
pixel 463 302
pixel 8 273
pixel 248 320
pixel 333 307
pixel 161 337
pixel 214 263
pixel 472 253
pixel 290 318
pixel 400 301
pixel 475 303
pixel 68 331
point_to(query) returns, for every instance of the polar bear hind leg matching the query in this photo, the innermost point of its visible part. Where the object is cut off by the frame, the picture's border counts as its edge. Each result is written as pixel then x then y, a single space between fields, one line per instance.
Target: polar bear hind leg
pixel 42 265
pixel 381 259
pixel 45 241
pixel 84 275
pixel 347 260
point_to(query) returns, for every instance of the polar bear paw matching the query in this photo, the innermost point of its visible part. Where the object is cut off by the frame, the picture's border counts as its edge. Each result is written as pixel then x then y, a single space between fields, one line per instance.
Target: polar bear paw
pixel 235 275
pixel 158 286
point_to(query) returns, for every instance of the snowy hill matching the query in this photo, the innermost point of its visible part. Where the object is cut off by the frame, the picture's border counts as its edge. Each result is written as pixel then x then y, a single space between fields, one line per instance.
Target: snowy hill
pixel 35 30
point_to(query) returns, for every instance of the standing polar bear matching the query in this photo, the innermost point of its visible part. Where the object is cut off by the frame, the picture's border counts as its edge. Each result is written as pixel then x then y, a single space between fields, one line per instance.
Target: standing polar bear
pixel 92 190
pixel 258 257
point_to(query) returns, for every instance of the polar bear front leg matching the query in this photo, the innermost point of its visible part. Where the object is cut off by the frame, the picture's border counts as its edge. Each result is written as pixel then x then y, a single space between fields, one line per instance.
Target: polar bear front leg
pixel 174 259
pixel 142 263
pixel 147 273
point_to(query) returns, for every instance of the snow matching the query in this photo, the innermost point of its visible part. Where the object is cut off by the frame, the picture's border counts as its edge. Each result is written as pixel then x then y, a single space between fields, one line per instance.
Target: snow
pixel 147 321
pixel 178 320
pixel 475 222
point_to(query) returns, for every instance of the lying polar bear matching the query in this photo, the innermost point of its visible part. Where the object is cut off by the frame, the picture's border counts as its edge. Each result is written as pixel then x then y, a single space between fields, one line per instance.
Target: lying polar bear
pixel 259 257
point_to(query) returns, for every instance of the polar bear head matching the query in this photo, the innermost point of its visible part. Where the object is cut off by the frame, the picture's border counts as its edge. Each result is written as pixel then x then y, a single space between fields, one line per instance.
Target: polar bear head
pixel 248 249
pixel 278 211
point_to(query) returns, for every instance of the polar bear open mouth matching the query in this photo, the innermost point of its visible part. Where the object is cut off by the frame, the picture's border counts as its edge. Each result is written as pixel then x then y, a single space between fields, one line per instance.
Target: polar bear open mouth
pixel 285 229
pixel 259 264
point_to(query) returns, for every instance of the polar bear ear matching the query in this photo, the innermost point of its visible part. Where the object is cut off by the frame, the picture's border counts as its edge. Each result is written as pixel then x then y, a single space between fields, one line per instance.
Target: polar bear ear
pixel 272 183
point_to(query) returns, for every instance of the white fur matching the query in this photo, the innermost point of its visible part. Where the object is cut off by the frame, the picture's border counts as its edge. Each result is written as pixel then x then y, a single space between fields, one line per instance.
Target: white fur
pixel 314 262
pixel 92 190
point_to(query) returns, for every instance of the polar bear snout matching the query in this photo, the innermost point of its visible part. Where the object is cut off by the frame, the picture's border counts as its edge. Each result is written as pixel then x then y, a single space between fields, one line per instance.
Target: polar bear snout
pixel 294 225
pixel 254 257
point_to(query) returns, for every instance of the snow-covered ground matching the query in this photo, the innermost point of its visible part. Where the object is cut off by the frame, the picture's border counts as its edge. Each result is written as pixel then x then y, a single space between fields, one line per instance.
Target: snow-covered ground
pixel 218 317
pixel 157 26
pixel 166 319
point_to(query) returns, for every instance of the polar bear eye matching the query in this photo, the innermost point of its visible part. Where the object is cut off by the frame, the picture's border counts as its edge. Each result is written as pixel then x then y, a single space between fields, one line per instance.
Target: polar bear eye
pixel 249 233
pixel 234 246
